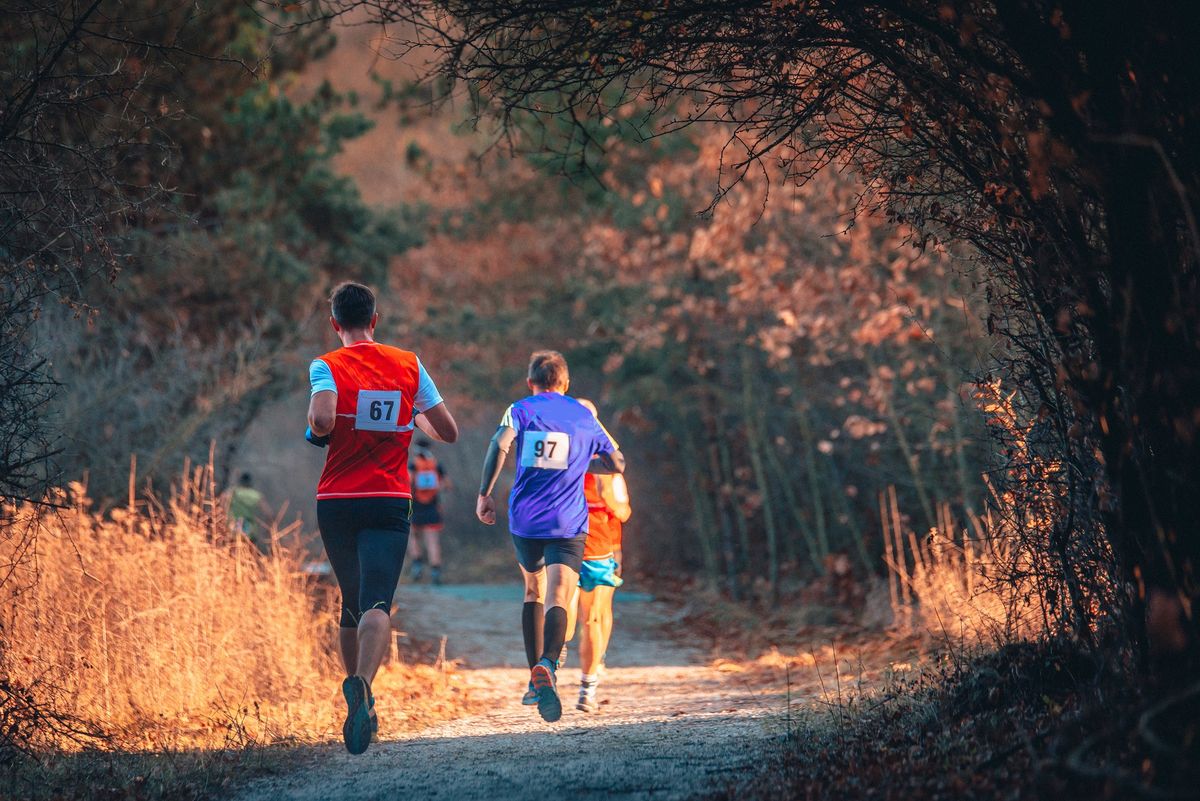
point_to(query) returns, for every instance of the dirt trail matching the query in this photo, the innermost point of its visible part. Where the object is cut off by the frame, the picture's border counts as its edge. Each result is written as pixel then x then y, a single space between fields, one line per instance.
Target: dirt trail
pixel 670 726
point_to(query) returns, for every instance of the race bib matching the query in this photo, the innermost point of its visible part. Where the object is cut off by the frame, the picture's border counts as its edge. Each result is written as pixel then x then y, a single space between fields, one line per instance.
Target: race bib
pixel 426 480
pixel 378 410
pixel 545 449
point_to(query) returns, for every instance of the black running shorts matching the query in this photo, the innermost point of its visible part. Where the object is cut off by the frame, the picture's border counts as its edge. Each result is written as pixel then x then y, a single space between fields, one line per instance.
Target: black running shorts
pixel 426 514
pixel 533 554
pixel 365 539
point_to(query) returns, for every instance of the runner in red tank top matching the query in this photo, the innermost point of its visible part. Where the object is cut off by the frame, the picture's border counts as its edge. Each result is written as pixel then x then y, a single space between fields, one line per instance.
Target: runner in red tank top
pixel 599 575
pixel 366 400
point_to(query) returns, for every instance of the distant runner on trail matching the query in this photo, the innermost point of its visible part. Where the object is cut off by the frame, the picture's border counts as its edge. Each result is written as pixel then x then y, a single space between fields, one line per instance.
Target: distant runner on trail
pixel 608 508
pixel 556 438
pixel 245 506
pixel 428 480
pixel 366 399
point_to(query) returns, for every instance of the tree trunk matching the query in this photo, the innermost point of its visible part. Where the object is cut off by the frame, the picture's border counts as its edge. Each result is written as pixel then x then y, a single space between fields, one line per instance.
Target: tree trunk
pixel 753 434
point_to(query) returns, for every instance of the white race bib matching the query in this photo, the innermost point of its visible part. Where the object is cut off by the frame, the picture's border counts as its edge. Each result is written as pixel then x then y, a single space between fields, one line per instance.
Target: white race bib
pixel 378 410
pixel 545 449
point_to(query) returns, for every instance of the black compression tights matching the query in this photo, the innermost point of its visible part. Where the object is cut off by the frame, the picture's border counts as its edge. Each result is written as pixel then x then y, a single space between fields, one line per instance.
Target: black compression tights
pixel 365 539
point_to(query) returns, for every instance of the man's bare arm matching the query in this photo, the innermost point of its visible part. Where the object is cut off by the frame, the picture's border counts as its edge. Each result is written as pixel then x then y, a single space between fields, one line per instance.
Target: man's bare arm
pixel 322 412
pixel 438 423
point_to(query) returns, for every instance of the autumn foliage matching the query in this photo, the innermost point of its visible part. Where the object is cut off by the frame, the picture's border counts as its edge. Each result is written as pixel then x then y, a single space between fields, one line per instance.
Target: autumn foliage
pixel 775 364
pixel 1055 139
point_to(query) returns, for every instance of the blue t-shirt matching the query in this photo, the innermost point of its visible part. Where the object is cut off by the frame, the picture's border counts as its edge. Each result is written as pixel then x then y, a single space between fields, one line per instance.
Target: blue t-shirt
pixel 557 437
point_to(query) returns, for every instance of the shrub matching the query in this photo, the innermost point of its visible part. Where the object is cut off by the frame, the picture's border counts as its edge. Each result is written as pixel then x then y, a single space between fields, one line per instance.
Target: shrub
pixel 156 627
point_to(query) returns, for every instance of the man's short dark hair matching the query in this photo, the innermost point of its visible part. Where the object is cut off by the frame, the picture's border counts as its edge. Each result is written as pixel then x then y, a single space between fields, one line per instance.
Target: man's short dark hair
pixel 424 443
pixel 548 370
pixel 245 479
pixel 353 305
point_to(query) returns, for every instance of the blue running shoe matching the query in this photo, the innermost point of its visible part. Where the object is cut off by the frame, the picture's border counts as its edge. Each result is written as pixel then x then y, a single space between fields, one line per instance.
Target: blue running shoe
pixel 530 696
pixel 357 729
pixel 548 703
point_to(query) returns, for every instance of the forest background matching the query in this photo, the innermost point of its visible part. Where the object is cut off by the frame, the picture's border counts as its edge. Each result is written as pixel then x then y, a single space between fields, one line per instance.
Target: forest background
pixel 811 377
pixel 773 366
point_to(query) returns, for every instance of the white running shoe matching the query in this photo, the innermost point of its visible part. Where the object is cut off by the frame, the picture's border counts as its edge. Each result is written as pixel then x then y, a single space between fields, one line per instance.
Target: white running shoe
pixel 587 700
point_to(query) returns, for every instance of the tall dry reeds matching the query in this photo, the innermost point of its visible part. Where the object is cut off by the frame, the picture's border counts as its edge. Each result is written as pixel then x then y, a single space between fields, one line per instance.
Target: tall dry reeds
pixel 158 627
pixel 1037 563
pixel 957 582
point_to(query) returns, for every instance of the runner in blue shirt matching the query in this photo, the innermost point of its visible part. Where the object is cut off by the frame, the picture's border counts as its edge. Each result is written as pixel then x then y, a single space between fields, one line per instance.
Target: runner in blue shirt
pixel 558 441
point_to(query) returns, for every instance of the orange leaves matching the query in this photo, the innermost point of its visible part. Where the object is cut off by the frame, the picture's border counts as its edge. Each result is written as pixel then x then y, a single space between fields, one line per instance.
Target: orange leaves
pixel 859 427
pixel 892 323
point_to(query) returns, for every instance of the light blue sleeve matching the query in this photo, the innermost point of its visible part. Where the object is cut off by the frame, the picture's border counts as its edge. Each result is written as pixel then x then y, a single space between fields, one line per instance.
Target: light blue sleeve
pixel 321 378
pixel 427 392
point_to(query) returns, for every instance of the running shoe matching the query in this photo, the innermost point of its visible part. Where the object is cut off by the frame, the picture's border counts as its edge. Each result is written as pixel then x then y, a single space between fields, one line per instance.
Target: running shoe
pixel 548 703
pixel 374 722
pixel 357 729
pixel 530 696
pixel 587 701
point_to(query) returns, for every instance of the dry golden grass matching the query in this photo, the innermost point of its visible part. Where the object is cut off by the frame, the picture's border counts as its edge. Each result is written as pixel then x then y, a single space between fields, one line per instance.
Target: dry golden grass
pixel 990 582
pixel 156 626
pixel 963 587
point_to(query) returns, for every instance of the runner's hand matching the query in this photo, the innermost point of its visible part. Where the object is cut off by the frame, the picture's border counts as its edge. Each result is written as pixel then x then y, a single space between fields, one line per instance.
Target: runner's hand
pixel 485 510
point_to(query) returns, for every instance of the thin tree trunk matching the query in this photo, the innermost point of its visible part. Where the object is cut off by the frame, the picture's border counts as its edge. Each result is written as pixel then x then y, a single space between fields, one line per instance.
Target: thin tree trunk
pixel 960 455
pixel 705 520
pixel 718 481
pixel 760 476
pixel 793 505
pixel 739 517
pixel 856 531
pixel 910 456
pixel 818 503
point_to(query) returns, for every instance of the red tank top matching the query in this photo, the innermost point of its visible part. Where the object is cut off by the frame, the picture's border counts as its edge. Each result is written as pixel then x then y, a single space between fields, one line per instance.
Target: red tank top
pixel 604 529
pixel 368 448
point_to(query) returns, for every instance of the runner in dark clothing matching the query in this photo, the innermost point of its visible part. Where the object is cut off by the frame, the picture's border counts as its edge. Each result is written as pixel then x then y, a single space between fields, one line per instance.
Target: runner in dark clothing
pixel 428 482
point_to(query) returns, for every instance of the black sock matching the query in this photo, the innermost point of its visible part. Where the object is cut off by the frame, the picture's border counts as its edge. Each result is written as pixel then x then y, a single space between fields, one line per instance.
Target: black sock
pixel 556 633
pixel 532 615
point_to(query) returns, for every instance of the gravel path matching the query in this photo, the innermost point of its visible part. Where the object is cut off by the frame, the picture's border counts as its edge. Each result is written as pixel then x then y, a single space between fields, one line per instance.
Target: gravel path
pixel 669 728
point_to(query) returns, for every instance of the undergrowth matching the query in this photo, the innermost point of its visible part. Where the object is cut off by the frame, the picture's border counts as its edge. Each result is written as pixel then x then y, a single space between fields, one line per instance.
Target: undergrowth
pixel 152 652
pixel 1023 721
